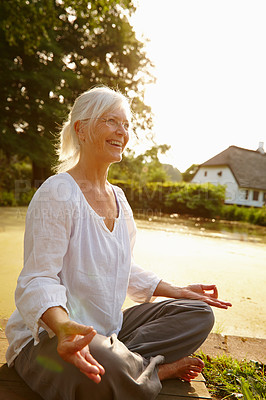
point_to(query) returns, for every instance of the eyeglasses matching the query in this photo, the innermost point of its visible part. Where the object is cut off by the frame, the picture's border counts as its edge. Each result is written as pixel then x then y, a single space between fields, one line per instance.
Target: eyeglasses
pixel 113 123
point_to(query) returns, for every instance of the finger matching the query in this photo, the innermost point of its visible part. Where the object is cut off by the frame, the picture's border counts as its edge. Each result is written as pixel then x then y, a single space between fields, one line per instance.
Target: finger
pixel 85 367
pixel 225 303
pixel 217 303
pixel 208 287
pixel 78 329
pixel 213 302
pixel 211 287
pixel 95 378
pixel 79 344
pixel 92 361
pixel 215 292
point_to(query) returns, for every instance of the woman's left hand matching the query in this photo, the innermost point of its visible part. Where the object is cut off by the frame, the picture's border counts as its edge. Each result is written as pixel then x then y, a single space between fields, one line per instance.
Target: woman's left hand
pixel 206 293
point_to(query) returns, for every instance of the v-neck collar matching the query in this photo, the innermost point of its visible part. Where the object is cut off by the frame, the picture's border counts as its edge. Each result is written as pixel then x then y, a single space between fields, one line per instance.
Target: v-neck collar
pixel 94 213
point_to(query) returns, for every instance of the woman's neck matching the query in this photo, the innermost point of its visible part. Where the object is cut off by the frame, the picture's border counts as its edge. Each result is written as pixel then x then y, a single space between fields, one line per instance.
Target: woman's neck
pixel 96 177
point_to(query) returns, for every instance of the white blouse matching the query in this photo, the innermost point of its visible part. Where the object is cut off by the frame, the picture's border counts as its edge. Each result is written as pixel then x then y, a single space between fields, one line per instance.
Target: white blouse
pixel 72 260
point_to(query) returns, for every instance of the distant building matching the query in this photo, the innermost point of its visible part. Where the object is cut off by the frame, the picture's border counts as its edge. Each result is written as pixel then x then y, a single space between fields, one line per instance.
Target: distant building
pixel 241 171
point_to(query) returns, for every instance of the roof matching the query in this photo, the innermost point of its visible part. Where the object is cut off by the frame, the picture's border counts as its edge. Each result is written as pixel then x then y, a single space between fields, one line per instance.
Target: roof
pixel 248 166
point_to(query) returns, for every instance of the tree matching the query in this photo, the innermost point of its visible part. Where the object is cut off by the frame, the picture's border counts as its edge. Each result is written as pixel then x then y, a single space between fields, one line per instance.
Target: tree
pixel 189 174
pixel 173 173
pixel 51 51
pixel 142 168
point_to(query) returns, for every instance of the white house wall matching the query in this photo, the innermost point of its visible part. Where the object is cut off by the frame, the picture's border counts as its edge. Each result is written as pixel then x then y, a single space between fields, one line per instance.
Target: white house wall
pixel 233 194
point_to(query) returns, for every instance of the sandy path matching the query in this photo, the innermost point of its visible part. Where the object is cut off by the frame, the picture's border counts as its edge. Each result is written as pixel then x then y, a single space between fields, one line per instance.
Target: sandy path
pixel 237 268
pixel 12 221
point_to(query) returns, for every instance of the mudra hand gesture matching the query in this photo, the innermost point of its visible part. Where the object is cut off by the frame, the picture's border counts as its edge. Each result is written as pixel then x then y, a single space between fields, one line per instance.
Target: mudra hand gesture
pixel 206 293
pixel 73 342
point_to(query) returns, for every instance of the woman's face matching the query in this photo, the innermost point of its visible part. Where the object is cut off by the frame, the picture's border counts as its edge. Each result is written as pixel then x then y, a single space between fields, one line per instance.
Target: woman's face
pixel 110 136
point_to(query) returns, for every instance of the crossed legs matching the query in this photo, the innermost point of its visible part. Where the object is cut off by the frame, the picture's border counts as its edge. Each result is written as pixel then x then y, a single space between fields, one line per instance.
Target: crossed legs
pixel 154 344
pixel 172 328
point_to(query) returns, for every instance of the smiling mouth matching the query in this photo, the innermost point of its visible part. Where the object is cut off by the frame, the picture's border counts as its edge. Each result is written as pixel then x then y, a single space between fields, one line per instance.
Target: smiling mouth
pixel 115 143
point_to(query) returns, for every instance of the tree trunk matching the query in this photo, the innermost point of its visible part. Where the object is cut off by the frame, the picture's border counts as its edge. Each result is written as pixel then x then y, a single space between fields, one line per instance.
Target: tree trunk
pixel 39 175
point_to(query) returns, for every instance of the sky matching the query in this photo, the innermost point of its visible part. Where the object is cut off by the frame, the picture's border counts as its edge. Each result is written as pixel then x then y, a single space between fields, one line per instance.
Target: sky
pixel 210 69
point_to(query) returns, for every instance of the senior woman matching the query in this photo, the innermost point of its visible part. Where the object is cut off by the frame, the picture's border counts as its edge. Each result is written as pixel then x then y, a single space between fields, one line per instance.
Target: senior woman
pixel 68 337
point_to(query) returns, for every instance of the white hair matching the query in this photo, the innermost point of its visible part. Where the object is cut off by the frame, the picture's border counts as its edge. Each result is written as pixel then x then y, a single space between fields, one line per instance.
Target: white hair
pixel 90 105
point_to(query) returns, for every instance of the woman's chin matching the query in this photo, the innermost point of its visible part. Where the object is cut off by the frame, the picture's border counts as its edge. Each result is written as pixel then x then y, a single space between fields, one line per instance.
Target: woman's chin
pixel 117 160
pixel 116 157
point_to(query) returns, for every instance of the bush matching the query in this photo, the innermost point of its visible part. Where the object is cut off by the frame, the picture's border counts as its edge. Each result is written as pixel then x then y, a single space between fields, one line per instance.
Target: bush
pixel 12 169
pixel 237 213
pixel 7 199
pixel 25 198
pixel 200 200
pixel 203 200
pixel 183 198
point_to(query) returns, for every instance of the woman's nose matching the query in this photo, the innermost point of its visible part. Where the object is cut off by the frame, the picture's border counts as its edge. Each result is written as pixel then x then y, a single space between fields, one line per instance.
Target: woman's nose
pixel 121 130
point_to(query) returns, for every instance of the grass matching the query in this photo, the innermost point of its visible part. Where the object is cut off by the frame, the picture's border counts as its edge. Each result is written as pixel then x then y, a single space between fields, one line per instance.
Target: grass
pixel 218 328
pixel 227 378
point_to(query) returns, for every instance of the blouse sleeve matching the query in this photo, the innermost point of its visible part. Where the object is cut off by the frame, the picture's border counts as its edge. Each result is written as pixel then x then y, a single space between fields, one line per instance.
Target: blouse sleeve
pixel 47 233
pixel 142 283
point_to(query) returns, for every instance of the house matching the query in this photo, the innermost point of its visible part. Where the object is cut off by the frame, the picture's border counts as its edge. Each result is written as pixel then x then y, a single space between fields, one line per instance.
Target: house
pixel 241 171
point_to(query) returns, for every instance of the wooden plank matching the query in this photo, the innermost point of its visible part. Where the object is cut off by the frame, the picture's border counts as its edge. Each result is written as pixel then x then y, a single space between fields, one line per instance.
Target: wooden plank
pixel 199 378
pixel 12 387
pixel 171 397
pixel 189 390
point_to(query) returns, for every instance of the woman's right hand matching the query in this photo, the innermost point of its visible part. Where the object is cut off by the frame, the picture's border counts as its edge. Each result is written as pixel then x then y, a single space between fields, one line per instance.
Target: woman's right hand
pixel 73 347
pixel 73 342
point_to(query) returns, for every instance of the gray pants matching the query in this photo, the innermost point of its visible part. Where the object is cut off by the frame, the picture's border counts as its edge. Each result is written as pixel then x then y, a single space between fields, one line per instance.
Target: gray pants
pixel 152 333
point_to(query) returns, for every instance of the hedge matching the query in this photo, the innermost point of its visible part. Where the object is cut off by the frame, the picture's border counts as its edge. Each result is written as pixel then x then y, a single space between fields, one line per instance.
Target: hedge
pixel 204 200
pixel 200 200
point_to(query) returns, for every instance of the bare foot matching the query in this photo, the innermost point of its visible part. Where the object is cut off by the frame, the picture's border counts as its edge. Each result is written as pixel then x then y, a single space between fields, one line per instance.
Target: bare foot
pixel 186 368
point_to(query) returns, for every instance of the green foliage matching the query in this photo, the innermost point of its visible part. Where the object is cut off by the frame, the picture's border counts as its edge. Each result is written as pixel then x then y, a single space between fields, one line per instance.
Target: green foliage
pixel 7 199
pixel 167 197
pixel 20 198
pixel 237 213
pixel 189 174
pixel 15 181
pixel 51 51
pixel 247 392
pixel 12 170
pixel 149 189
pixel 228 377
pixel 173 173
pixel 203 200
pixel 24 198
pixel 142 168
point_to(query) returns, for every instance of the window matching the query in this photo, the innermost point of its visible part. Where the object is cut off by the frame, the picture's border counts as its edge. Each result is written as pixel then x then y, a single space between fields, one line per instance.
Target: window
pixel 264 197
pixel 255 195
pixel 246 194
pixel 205 173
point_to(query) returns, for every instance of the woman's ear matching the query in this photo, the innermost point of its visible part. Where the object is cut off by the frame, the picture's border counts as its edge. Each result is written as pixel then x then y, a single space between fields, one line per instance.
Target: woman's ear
pixel 79 130
pixel 76 126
